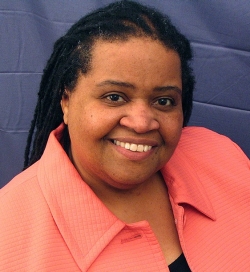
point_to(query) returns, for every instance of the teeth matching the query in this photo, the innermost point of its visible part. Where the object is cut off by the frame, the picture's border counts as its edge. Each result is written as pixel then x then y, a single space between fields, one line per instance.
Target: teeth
pixel 133 147
pixel 140 148
pixel 127 145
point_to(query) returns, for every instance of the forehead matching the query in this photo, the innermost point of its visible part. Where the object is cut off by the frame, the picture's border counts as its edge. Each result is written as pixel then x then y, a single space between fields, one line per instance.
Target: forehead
pixel 136 54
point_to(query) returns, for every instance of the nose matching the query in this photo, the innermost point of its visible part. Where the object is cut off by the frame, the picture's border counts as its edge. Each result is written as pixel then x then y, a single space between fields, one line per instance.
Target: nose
pixel 140 117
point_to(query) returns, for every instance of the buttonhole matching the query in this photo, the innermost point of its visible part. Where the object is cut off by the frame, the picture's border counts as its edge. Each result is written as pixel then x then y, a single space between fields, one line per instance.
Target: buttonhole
pixel 132 238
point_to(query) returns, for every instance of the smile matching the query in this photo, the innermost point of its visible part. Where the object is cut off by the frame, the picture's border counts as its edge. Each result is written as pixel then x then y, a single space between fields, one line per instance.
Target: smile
pixel 133 147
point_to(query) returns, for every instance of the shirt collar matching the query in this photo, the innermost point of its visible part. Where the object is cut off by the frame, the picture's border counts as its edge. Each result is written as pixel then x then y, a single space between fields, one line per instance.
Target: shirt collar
pixel 86 225
pixel 184 185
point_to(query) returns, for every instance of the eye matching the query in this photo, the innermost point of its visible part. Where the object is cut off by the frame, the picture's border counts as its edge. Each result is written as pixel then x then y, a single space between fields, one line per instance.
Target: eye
pixel 115 97
pixel 164 101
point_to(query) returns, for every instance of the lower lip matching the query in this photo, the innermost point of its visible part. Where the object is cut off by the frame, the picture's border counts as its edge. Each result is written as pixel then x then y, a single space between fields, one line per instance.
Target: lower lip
pixel 133 155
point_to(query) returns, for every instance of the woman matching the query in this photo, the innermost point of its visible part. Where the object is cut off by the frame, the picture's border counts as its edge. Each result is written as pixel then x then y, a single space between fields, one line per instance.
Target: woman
pixel 115 180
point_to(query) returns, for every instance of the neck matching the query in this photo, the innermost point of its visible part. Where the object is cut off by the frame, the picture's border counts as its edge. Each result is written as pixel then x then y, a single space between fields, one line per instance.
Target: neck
pixel 134 204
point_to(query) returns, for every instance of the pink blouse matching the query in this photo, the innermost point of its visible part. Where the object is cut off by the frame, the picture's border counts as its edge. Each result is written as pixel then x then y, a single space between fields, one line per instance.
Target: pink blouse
pixel 50 220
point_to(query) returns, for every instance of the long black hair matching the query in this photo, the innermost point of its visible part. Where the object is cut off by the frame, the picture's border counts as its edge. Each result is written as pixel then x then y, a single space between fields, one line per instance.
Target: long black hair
pixel 72 56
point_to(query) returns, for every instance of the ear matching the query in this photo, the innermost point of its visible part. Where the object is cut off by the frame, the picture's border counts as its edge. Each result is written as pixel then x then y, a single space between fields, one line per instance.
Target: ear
pixel 65 105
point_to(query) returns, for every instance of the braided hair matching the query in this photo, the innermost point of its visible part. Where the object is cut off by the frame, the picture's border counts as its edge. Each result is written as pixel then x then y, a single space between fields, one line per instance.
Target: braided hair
pixel 72 56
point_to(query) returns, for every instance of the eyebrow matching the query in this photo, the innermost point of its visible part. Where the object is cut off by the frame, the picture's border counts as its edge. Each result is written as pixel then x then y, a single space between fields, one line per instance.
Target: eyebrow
pixel 131 86
pixel 168 88
pixel 116 83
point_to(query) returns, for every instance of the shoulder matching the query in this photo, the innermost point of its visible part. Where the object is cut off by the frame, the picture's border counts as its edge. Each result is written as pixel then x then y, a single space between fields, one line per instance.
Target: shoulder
pixel 19 181
pixel 204 136
pixel 21 204
pixel 206 144
pixel 214 159
pixel 19 196
pixel 26 224
pixel 219 164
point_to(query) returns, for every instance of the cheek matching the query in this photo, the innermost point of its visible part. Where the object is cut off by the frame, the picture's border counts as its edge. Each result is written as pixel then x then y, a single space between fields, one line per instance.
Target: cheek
pixel 93 123
pixel 171 129
pixel 103 119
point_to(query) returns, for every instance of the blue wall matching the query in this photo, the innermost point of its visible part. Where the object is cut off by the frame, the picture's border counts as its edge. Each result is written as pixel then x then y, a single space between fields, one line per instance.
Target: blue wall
pixel 219 32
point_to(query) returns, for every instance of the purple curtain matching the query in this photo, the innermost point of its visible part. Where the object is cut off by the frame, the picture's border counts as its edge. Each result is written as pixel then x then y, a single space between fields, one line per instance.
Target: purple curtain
pixel 219 32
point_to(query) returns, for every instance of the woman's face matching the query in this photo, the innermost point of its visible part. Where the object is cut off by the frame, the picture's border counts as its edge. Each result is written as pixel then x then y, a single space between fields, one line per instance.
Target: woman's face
pixel 125 115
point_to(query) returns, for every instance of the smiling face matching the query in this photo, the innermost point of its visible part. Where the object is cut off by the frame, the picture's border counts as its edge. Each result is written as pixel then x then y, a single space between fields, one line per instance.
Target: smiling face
pixel 125 115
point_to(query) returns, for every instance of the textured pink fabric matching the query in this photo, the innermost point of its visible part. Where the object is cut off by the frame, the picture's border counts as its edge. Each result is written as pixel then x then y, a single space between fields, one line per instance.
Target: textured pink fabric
pixel 50 220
